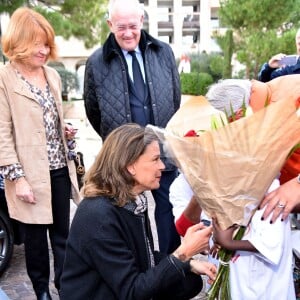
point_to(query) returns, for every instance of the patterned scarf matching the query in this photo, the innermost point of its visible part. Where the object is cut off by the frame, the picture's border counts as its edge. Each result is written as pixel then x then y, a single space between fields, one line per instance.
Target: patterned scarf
pixel 138 207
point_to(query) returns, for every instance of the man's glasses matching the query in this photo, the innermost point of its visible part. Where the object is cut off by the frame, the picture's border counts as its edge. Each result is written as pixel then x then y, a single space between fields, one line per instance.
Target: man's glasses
pixel 123 28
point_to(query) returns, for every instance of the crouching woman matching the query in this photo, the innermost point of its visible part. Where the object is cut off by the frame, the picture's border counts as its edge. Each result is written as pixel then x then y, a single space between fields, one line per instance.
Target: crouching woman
pixel 110 252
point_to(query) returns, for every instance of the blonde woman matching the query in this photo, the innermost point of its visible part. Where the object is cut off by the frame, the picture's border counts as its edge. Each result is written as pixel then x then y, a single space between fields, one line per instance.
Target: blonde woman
pixel 39 177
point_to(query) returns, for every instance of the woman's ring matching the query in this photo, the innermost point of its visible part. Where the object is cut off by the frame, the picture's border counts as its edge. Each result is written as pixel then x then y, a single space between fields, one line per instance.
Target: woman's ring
pixel 280 205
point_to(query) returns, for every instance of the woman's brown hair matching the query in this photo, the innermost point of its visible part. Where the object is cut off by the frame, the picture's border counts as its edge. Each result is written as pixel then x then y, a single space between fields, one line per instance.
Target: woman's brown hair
pixel 24 27
pixel 108 176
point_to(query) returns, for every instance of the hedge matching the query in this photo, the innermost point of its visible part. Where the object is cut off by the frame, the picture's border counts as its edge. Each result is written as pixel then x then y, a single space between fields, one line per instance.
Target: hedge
pixel 195 83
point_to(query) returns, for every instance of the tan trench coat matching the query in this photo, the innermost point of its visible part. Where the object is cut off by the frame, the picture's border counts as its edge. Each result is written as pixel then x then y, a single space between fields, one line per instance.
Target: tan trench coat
pixel 23 140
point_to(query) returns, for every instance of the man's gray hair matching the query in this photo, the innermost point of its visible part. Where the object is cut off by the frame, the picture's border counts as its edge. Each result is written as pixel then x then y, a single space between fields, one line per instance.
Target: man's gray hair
pixel 122 3
pixel 229 94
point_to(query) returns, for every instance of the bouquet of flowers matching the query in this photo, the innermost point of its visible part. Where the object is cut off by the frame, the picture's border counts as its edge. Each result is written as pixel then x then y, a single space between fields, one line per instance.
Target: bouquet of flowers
pixel 231 168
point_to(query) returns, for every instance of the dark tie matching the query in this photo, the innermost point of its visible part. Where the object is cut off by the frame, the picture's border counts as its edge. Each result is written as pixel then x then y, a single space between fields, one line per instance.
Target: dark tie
pixel 137 76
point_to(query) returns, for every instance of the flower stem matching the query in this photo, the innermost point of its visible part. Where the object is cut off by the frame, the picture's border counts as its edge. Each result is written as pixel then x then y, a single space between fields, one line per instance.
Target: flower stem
pixel 220 289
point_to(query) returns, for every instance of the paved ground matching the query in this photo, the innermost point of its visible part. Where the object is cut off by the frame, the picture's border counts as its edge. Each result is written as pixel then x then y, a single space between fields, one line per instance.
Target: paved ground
pixel 15 282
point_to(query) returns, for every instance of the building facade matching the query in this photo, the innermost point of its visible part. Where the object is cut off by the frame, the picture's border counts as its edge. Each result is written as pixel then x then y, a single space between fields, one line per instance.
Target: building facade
pixel 187 25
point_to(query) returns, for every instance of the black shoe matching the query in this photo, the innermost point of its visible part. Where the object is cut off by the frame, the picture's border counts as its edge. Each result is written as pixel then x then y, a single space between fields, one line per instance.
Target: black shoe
pixel 44 296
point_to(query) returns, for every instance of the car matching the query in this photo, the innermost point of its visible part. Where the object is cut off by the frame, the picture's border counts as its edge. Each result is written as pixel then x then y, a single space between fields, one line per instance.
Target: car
pixel 10 234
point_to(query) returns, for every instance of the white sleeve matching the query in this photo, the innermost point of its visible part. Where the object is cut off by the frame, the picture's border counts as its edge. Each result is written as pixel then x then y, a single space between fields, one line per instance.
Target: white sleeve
pixel 267 238
pixel 274 185
pixel 180 195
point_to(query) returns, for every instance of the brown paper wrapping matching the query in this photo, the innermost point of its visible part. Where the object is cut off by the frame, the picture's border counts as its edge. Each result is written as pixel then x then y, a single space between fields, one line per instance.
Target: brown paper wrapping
pixel 196 113
pixel 231 168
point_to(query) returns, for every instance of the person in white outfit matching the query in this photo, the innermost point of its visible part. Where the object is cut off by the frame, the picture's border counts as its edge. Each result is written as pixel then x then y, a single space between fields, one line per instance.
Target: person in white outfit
pixel 186 209
pixel 262 266
pixel 263 262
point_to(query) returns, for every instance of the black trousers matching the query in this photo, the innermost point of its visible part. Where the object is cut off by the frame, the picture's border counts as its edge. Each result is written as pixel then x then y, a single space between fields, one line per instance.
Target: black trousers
pixel 36 235
pixel 168 238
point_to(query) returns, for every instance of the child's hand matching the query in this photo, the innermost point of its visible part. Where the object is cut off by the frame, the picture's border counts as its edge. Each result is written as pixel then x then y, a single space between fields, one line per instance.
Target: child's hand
pixel 214 250
pixel 221 237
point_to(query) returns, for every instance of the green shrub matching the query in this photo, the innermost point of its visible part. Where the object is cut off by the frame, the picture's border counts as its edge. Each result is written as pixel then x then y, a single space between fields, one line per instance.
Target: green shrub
pixel 69 79
pixel 195 83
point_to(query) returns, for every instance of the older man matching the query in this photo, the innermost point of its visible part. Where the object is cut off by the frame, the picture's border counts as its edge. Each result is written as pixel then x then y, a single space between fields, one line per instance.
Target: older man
pixel 134 78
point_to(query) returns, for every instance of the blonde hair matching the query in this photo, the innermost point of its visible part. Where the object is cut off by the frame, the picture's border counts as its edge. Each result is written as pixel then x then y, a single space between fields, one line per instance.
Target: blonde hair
pixel 109 176
pixel 24 27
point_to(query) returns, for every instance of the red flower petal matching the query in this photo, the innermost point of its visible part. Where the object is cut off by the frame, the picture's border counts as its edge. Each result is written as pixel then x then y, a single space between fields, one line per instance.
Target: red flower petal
pixel 191 132
pixel 298 103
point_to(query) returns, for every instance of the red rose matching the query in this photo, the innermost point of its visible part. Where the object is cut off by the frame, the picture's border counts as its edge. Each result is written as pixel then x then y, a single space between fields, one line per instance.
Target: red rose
pixel 298 103
pixel 191 132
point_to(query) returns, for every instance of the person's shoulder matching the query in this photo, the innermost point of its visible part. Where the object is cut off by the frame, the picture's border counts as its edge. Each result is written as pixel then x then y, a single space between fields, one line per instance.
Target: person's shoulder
pixel 97 53
pixel 94 58
pixel 6 74
pixel 153 42
pixel 93 219
pixel 165 50
pixel 51 71
pixel 5 69
pixel 96 205
pixel 94 202
pixel 104 50
pixel 295 69
pixel 96 210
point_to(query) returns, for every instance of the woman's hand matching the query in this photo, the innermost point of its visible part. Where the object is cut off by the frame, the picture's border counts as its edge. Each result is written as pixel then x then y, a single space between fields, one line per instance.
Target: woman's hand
pixel 70 131
pixel 24 190
pixel 282 200
pixel 196 240
pixel 201 267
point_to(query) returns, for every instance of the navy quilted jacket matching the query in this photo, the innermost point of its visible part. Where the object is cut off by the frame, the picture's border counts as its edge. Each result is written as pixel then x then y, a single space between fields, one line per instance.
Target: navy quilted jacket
pixel 106 91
